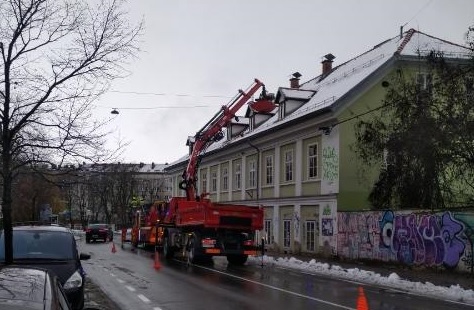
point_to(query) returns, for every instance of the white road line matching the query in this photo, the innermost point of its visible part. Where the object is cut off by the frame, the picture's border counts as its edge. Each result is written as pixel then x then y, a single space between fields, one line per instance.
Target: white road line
pixel 156 308
pixel 130 288
pixel 120 281
pixel 143 298
pixel 279 289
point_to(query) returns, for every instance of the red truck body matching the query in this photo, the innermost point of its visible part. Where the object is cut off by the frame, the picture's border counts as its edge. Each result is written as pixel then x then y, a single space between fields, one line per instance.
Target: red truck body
pixel 207 214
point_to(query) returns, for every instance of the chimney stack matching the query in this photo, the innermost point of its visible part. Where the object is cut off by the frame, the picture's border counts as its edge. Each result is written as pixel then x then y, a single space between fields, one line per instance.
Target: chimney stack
pixel 295 80
pixel 327 63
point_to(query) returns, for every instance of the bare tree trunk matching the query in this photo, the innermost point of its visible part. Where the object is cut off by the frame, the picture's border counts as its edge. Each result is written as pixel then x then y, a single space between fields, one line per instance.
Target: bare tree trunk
pixel 7 206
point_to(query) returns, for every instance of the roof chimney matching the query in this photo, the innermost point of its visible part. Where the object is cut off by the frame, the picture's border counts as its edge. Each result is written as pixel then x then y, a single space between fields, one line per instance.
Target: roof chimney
pixel 327 63
pixel 295 80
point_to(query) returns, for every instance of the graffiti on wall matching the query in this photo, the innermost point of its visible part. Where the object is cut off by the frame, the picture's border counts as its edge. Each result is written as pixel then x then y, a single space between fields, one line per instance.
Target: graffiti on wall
pixel 330 164
pixel 296 223
pixel 359 235
pixel 327 227
pixel 409 238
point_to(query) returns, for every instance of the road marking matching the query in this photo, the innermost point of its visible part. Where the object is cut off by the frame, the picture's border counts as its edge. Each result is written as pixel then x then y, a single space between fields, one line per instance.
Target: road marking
pixel 130 288
pixel 120 281
pixel 278 289
pixel 156 308
pixel 143 298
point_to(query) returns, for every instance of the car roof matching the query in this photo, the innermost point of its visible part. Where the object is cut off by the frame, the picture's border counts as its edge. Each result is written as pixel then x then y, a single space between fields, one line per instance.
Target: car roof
pixel 42 228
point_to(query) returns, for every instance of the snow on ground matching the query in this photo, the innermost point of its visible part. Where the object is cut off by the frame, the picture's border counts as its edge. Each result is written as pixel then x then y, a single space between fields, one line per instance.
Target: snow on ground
pixel 454 292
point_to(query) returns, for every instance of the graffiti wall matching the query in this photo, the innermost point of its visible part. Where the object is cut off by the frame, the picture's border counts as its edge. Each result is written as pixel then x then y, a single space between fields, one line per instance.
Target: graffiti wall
pixel 442 239
pixel 328 224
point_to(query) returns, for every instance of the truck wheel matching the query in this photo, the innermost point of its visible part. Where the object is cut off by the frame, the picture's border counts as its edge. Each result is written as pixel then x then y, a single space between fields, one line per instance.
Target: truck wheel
pixel 167 250
pixel 237 260
pixel 192 252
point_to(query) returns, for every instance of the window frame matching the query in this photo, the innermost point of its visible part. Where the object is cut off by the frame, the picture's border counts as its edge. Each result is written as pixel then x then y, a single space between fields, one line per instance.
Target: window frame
pixel 225 179
pixel 269 170
pixel 203 181
pixel 238 176
pixel 312 168
pixel 213 181
pixel 288 166
pixel 310 235
pixel 252 175
pixel 268 228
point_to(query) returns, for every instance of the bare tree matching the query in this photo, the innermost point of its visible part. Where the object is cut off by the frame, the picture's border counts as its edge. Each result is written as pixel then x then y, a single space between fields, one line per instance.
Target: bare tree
pixel 57 56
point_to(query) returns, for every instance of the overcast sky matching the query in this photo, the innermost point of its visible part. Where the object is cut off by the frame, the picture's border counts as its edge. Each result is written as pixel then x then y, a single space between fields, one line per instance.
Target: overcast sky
pixel 197 54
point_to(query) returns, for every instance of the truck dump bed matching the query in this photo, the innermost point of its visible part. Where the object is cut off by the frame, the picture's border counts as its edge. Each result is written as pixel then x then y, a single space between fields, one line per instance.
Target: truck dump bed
pixel 212 215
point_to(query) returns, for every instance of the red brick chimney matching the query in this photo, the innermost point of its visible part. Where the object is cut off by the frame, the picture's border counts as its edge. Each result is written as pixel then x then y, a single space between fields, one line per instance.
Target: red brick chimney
pixel 295 80
pixel 327 63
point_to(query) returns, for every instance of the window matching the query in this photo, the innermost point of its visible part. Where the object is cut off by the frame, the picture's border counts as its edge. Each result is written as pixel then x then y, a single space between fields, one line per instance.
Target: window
pixel 225 179
pixel 238 177
pixel 312 161
pixel 286 233
pixel 268 232
pixel 252 174
pixel 310 236
pixel 289 166
pixel 214 181
pixel 269 170
pixel 281 111
pixel 204 182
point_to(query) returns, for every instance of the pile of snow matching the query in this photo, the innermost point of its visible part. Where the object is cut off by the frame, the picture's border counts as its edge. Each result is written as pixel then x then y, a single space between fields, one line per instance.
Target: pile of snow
pixel 454 292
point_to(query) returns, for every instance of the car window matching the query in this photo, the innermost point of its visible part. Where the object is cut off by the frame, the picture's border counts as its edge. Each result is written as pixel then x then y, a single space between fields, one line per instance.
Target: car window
pixel 42 244
pixel 95 226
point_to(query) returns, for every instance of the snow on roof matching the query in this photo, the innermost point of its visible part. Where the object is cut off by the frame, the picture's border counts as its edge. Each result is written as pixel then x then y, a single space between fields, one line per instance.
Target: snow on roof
pixel 148 168
pixel 325 91
pixel 421 43
pixel 296 93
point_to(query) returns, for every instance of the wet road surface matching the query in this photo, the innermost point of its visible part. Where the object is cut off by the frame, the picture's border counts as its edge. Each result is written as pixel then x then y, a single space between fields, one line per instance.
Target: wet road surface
pixel 131 281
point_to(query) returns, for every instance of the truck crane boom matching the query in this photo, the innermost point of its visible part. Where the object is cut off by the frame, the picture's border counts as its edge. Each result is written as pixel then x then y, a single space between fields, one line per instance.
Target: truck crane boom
pixel 197 228
pixel 212 132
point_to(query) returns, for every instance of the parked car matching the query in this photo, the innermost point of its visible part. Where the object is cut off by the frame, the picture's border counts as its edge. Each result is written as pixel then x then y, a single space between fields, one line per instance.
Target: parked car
pixel 96 232
pixel 30 288
pixel 53 248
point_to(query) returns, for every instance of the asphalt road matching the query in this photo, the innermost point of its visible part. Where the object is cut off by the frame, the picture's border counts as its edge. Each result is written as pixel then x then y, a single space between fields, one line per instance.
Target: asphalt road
pixel 131 282
pixel 96 298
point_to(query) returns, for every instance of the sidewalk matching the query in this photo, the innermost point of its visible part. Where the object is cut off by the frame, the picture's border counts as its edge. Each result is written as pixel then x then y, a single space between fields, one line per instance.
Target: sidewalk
pixel 436 276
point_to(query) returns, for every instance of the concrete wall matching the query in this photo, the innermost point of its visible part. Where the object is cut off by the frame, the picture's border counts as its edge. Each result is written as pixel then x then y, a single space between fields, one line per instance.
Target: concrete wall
pixel 443 239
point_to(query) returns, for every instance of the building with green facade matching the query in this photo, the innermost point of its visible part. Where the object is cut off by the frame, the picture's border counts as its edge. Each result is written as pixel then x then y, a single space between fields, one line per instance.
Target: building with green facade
pixel 297 159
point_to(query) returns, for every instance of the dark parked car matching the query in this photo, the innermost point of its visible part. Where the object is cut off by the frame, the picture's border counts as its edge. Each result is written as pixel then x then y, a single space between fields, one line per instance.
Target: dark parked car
pixel 53 248
pixel 96 232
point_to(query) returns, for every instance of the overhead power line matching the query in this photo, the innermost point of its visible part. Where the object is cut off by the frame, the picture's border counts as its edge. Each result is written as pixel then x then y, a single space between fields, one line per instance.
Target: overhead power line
pixel 167 94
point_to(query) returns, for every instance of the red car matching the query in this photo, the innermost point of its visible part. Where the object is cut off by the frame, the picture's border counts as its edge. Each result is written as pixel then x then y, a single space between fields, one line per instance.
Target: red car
pixel 99 232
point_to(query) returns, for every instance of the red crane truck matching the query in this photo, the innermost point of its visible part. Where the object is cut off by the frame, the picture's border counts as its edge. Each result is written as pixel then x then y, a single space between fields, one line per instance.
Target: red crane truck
pixel 197 228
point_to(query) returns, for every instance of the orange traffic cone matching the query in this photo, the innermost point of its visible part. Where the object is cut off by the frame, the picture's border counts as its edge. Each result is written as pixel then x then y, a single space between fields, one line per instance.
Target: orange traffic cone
pixel 113 247
pixel 157 264
pixel 362 303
